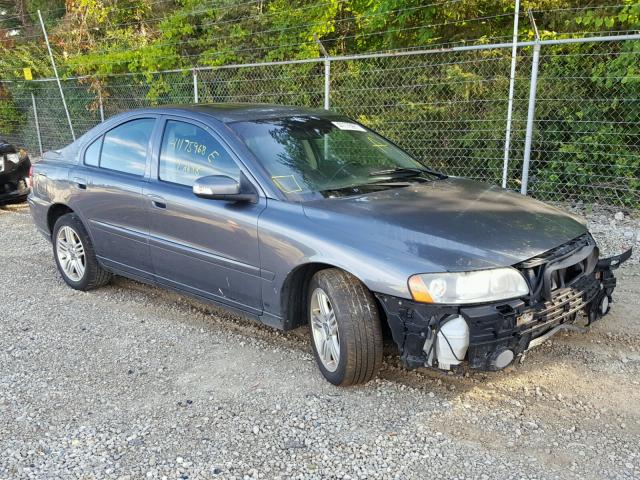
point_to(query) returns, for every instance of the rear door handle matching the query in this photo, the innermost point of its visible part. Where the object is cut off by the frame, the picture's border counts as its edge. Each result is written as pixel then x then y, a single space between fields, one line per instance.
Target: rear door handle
pixel 80 182
pixel 157 201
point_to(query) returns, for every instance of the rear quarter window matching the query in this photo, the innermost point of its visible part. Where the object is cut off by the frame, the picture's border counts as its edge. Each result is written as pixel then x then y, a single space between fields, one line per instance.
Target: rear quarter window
pixel 124 148
pixel 92 153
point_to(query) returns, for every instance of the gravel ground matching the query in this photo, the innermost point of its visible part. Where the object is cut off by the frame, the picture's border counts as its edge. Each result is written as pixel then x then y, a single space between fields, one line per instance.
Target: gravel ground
pixel 132 381
pixel 615 230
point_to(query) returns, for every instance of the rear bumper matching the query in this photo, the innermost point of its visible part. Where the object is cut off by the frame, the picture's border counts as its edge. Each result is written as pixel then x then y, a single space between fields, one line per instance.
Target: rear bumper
pixel 11 196
pixel 13 190
pixel 13 185
pixel 501 326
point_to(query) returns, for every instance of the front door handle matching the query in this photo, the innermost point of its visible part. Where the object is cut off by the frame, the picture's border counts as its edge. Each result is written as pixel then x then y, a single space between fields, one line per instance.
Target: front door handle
pixel 157 201
pixel 80 182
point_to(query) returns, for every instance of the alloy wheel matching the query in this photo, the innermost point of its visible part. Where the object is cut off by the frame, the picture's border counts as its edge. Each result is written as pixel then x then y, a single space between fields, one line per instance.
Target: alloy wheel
pixel 324 327
pixel 70 252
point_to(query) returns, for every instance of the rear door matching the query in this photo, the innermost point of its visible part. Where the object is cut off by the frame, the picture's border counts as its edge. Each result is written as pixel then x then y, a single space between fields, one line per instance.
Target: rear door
pixel 115 167
pixel 203 246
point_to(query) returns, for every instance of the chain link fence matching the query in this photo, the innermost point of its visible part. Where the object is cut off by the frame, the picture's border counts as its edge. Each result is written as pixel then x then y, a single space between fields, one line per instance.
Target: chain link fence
pixel 448 108
pixel 587 124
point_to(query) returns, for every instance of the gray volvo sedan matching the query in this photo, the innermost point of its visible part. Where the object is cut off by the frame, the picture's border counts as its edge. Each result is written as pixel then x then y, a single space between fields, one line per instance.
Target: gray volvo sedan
pixel 293 216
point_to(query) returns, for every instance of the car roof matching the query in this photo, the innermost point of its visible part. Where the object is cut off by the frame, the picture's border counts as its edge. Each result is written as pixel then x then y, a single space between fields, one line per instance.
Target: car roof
pixel 237 112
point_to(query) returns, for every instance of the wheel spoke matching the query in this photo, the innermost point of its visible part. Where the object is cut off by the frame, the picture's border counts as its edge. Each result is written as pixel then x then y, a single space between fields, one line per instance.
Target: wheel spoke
pixel 76 240
pixel 79 267
pixel 65 262
pixel 316 321
pixel 323 302
pixel 326 350
pixel 66 235
pixel 335 348
pixel 332 322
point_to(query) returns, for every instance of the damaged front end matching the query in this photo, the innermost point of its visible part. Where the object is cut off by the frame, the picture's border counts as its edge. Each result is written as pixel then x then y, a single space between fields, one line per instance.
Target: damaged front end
pixel 564 283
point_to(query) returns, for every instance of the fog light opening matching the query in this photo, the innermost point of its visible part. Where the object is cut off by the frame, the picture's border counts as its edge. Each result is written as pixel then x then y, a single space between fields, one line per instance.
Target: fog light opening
pixel 502 358
pixel 452 342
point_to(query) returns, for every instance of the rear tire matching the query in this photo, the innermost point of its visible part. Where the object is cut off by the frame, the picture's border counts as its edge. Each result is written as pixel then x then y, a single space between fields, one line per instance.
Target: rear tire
pixel 346 334
pixel 75 256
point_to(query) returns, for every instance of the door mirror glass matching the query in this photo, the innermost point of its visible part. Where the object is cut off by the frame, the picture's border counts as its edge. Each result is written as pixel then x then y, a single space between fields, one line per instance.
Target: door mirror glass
pixel 218 187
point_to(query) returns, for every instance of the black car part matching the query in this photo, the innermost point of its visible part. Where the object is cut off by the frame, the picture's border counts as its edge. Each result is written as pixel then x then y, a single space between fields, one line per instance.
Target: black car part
pixel 564 282
pixel 14 172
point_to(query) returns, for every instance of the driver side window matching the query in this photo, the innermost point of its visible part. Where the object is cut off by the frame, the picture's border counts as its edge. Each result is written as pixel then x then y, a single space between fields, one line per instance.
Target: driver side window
pixel 188 152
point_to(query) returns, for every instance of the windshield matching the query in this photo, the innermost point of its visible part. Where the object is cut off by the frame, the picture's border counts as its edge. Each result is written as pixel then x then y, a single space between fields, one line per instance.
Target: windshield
pixel 309 157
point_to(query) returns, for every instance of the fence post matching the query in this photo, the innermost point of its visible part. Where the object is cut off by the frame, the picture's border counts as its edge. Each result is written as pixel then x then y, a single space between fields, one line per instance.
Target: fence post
pixel 327 83
pixel 55 70
pixel 35 116
pixel 512 81
pixel 530 119
pixel 195 85
pixel 101 105
pixel 327 72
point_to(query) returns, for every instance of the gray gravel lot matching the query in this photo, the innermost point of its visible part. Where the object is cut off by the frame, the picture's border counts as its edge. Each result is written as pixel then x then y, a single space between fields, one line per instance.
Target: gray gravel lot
pixel 132 381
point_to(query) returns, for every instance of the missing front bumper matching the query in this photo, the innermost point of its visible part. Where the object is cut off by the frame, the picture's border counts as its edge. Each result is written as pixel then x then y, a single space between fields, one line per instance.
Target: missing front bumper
pixel 500 331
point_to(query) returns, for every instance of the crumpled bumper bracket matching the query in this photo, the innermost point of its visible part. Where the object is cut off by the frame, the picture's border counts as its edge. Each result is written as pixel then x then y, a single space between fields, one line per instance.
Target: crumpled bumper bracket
pixel 611 263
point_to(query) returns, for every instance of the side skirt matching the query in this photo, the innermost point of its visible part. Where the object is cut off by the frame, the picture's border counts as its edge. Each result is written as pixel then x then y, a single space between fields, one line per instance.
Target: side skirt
pixel 265 318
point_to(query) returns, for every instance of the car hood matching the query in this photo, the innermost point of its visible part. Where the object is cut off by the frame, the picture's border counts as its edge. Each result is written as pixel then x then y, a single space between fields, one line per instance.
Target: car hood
pixel 452 225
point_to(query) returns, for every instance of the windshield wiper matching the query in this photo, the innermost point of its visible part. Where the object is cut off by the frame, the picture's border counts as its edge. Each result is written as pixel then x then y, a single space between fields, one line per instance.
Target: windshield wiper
pixel 405 172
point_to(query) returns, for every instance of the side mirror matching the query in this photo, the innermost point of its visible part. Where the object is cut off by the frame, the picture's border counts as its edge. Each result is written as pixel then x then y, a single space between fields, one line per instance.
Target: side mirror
pixel 221 187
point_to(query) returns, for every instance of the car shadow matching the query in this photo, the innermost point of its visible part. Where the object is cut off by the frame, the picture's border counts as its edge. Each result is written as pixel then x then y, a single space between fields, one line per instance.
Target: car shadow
pixel 429 380
pixel 527 374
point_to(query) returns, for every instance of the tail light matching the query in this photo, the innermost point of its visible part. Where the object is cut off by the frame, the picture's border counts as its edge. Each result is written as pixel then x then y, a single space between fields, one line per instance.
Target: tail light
pixel 30 177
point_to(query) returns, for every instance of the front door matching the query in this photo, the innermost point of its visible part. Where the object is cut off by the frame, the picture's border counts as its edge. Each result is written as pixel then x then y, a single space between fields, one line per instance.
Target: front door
pixel 205 247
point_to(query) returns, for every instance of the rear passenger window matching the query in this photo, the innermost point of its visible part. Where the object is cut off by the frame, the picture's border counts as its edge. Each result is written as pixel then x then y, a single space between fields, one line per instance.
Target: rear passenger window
pixel 125 147
pixel 92 153
pixel 188 152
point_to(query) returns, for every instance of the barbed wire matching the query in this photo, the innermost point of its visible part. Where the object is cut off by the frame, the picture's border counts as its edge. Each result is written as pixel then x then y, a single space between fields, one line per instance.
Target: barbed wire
pixel 289 12
pixel 154 2
pixel 317 23
pixel 225 7
pixel 262 16
pixel 211 55
pixel 208 56
pixel 576 9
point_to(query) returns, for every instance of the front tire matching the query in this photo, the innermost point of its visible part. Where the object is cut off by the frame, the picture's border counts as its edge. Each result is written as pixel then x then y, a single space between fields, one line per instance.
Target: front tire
pixel 345 328
pixel 75 256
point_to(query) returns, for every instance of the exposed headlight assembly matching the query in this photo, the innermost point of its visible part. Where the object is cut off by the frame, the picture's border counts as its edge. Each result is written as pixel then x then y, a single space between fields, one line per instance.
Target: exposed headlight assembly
pixel 468 287
pixel 13 157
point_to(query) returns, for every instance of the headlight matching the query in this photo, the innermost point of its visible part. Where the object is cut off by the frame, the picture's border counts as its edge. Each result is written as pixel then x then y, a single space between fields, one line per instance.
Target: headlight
pixel 13 157
pixel 468 287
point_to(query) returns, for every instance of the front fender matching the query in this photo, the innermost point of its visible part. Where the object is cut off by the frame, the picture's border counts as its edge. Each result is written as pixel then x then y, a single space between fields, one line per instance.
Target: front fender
pixel 289 240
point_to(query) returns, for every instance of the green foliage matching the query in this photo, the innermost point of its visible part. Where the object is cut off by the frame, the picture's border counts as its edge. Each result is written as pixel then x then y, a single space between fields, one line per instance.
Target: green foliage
pixel 592 142
pixel 10 116
pixel 595 140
